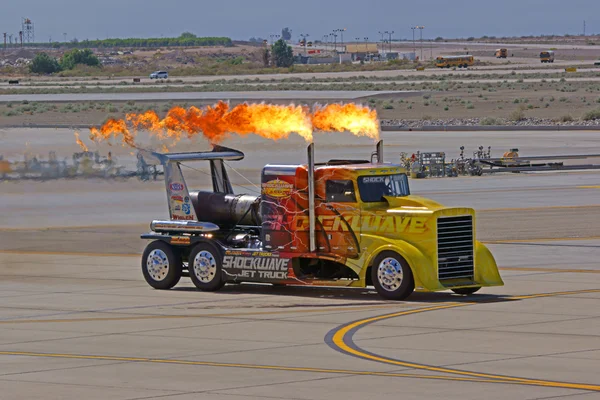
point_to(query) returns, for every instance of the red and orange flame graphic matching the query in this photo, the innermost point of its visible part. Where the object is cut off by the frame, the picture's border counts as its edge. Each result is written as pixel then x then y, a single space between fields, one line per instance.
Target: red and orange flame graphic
pixel 217 122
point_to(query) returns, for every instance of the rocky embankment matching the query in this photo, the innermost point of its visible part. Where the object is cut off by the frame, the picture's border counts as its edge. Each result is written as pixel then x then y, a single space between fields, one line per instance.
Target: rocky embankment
pixel 457 122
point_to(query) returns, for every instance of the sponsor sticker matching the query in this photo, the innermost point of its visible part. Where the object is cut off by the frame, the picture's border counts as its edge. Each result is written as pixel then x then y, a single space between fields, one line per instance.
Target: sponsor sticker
pixel 177 208
pixel 177 198
pixel 186 209
pixel 180 240
pixel 183 217
pixel 176 186
pixel 277 188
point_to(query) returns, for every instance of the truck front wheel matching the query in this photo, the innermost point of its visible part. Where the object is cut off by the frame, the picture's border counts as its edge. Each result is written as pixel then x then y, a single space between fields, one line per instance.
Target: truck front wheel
pixel 205 267
pixel 391 276
pixel 161 265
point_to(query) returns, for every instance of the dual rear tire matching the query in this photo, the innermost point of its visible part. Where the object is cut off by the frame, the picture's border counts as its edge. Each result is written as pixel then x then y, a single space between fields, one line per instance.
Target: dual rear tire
pixel 162 266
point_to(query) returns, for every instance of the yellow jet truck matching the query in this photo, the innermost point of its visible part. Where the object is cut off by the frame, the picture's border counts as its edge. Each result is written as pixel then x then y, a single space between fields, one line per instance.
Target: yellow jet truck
pixel 350 223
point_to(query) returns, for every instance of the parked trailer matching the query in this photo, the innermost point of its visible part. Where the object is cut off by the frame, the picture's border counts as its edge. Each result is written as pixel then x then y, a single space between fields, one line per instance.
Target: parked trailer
pixel 343 222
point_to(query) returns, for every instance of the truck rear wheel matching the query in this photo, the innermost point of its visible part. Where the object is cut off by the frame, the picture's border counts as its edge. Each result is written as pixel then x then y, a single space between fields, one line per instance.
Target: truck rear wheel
pixel 392 276
pixel 161 265
pixel 205 267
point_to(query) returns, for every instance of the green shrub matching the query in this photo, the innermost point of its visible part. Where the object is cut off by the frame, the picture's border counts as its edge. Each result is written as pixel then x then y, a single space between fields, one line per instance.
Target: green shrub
pixel 566 118
pixel 518 115
pixel 44 64
pixel 592 115
pixel 488 121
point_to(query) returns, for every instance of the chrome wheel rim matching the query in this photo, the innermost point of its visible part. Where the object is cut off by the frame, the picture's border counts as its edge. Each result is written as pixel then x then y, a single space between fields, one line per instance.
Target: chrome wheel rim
pixel 205 266
pixel 157 265
pixel 390 274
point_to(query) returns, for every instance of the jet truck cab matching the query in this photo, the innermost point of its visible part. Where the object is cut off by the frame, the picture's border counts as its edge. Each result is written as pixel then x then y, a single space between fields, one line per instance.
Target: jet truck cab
pixel 351 223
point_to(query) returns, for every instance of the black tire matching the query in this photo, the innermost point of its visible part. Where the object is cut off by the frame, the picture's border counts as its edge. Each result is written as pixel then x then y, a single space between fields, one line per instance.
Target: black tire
pixel 161 265
pixel 205 266
pixel 466 291
pixel 388 286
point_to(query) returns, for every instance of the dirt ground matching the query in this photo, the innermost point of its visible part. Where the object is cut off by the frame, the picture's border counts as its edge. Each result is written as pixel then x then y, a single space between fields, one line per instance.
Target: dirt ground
pixel 538 102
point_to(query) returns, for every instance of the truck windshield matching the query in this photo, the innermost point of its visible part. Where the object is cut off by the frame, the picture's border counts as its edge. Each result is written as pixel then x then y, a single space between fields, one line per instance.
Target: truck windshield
pixel 373 188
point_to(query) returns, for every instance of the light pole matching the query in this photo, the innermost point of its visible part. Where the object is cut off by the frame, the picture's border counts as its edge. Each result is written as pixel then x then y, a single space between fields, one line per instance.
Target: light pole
pixel 366 46
pixel 273 36
pixel 421 29
pixel 303 36
pixel 414 47
pixel 382 33
pixel 341 31
pixel 334 40
pixel 390 39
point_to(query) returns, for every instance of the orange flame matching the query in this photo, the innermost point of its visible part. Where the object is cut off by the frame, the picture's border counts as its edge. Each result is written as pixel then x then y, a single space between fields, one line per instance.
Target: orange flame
pixel 80 143
pixel 360 120
pixel 216 122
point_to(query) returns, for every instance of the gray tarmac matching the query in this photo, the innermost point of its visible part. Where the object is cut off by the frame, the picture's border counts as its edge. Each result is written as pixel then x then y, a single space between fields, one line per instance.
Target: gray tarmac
pixel 78 320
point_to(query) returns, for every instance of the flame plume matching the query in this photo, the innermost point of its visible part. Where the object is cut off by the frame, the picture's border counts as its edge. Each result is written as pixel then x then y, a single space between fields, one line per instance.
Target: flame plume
pixel 217 122
pixel 360 120
pixel 79 142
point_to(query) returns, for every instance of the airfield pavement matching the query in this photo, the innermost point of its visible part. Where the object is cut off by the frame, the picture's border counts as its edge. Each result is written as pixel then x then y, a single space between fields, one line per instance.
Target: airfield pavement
pixel 77 319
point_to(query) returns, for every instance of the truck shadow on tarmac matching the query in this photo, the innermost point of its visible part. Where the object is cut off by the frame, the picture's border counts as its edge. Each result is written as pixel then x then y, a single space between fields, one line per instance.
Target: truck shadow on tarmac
pixel 355 294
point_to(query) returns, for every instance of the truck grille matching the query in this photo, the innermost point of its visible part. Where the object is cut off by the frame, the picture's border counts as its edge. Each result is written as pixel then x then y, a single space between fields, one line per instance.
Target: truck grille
pixel 455 247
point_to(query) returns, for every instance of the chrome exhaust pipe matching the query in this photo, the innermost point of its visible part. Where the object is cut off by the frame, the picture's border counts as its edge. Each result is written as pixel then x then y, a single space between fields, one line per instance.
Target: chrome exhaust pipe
pixel 311 198
pixel 379 150
pixel 183 226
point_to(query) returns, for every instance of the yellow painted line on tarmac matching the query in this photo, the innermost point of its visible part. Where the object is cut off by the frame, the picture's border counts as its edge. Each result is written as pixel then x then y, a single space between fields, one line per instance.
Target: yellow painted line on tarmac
pixel 249 366
pixel 589 187
pixel 559 270
pixel 344 334
pixel 220 315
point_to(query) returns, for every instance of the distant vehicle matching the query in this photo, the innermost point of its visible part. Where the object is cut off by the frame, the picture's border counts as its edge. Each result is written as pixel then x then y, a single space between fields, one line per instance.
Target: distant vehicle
pixel 547 56
pixel 501 53
pixel 597 62
pixel 463 61
pixel 159 75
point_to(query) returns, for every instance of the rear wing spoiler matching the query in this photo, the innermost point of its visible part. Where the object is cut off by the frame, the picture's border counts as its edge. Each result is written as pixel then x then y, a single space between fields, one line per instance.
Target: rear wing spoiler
pixel 217 153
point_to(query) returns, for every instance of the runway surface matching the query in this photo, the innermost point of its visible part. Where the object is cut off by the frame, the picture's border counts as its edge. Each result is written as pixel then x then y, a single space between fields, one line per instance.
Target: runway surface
pixel 77 319
pixel 297 95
